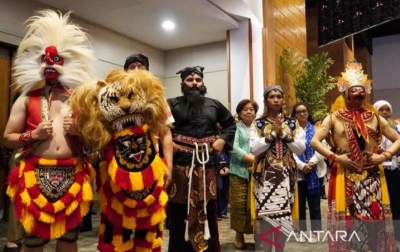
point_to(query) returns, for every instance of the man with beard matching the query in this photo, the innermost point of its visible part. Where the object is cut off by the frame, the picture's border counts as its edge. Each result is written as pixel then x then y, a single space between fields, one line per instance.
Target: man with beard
pixel 192 193
pixel 358 198
pixel 51 187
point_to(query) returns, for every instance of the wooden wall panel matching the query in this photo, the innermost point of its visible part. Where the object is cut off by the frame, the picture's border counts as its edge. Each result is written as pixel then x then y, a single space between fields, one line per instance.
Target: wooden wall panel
pixel 4 90
pixel 339 51
pixel 4 104
pixel 269 43
pixel 288 22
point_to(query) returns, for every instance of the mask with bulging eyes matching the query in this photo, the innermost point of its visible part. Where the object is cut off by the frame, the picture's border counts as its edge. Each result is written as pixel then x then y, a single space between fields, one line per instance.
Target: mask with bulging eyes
pixel 134 152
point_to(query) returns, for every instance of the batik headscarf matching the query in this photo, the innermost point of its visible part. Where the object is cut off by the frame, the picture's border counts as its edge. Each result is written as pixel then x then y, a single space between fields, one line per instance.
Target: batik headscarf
pixel 272 88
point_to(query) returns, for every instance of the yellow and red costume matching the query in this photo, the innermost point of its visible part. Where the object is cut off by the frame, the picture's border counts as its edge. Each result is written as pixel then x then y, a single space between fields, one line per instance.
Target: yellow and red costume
pixel 50 195
pixel 127 110
pixel 132 200
pixel 358 202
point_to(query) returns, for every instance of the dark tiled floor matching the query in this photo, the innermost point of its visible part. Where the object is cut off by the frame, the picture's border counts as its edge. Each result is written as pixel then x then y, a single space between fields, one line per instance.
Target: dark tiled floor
pixel 88 240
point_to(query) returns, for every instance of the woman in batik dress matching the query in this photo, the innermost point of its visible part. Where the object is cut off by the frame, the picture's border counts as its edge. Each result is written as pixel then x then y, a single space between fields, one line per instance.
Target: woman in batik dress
pixel 241 160
pixel 275 171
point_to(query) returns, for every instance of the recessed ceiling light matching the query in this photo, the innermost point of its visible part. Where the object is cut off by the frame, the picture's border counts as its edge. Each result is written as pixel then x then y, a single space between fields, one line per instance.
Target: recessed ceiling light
pixel 168 25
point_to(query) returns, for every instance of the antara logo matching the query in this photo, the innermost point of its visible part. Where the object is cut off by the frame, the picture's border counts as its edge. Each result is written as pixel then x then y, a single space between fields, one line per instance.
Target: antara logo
pixel 321 236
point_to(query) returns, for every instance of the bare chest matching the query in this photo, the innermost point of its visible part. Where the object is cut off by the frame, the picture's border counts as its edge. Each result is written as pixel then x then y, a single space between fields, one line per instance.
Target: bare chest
pixel 346 131
pixel 58 108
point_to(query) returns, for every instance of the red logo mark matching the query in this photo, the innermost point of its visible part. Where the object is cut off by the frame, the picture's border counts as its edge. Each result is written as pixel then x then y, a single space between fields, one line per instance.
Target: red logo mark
pixel 264 236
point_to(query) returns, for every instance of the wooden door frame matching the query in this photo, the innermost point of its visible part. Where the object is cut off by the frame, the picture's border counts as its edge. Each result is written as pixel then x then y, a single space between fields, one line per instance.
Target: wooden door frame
pixel 4 170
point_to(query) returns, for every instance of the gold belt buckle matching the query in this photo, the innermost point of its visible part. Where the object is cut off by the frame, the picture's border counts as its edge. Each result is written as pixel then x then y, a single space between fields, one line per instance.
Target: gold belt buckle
pixel 353 176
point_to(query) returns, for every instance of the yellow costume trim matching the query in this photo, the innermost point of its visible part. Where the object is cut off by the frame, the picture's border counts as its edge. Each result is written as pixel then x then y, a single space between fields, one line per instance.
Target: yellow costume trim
pixel 128 245
pixel 39 210
pixel 150 236
pixel 295 209
pixel 340 188
pixel 102 228
pixel 136 178
pixel 117 239
pixel 251 200
pixel 125 132
pixel 58 229
pixel 156 217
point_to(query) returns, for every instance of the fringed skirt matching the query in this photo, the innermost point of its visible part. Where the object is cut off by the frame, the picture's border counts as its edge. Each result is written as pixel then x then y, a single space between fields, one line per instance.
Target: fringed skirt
pixel 50 196
pixel 132 207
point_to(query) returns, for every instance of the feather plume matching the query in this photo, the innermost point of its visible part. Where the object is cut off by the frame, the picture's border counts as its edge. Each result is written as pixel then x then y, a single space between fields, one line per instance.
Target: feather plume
pixel 50 28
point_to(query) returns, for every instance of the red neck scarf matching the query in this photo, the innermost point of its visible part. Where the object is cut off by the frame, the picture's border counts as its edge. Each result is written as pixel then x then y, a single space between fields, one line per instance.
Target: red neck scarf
pixel 359 124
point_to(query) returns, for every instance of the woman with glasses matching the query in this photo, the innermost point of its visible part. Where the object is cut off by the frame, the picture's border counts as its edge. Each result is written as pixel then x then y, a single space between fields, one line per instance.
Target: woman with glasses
pixel 275 171
pixel 308 164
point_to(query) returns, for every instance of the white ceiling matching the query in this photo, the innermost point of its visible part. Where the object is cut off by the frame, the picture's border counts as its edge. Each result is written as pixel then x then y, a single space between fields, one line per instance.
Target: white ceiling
pixel 197 21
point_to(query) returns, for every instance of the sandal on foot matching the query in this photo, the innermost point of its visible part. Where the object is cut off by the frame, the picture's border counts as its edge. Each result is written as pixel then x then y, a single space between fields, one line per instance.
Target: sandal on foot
pixel 238 245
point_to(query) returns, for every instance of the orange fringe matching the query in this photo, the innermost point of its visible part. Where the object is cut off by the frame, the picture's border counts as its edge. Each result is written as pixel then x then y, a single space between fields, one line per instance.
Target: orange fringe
pixel 41 217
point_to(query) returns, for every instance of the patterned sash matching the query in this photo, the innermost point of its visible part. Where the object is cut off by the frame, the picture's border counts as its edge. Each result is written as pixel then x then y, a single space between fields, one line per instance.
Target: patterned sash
pixel 187 143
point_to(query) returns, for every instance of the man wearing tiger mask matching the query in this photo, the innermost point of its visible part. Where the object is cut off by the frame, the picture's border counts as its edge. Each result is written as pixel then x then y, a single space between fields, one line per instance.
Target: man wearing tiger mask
pixel 119 118
pixel 140 61
pixel 51 187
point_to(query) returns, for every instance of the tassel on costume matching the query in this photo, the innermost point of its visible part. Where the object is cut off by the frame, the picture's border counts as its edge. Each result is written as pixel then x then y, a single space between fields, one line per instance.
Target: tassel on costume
pixel 206 230
pixel 349 219
pixel 87 191
pixel 187 230
pixel 375 209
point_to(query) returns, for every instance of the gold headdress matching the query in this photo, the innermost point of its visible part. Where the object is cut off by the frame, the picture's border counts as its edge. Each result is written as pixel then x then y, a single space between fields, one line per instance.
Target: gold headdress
pixel 354 77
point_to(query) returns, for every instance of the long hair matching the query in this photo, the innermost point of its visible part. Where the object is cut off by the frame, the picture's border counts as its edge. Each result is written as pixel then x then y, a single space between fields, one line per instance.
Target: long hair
pixel 88 117
pixel 309 118
pixel 49 28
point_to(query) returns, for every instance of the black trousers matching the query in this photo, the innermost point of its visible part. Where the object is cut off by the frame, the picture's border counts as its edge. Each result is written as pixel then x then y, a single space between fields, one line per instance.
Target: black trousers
pixel 322 185
pixel 393 184
pixel 314 208
pixel 177 216
pixel 222 196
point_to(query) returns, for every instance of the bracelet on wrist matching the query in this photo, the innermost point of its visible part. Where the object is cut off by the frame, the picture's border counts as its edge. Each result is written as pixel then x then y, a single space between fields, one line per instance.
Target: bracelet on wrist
pixel 26 138
pixel 332 157
pixel 387 154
